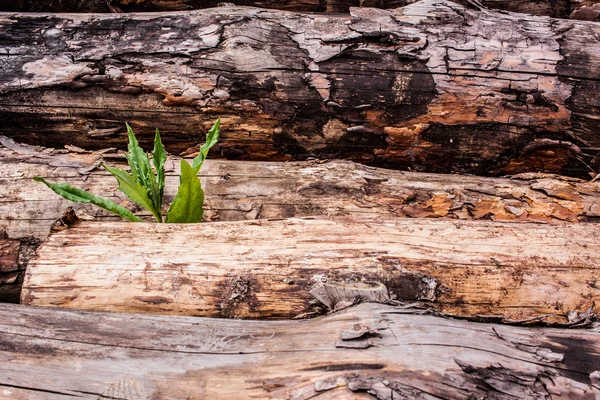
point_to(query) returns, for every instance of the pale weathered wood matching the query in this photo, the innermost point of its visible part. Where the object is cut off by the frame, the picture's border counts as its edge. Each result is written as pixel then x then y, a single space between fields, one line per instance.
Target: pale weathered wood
pixel 432 86
pixel 248 190
pixel 267 269
pixel 60 354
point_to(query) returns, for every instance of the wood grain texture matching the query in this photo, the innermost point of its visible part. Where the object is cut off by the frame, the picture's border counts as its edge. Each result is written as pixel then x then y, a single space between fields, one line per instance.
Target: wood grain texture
pixel 556 8
pixel 432 86
pixel 240 190
pixel 267 269
pixel 243 190
pixel 64 354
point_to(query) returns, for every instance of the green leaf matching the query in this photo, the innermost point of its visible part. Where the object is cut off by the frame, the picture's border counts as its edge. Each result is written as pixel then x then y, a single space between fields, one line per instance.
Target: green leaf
pixel 187 206
pixel 137 159
pixel 159 157
pixel 133 190
pixel 81 196
pixel 141 171
pixel 212 137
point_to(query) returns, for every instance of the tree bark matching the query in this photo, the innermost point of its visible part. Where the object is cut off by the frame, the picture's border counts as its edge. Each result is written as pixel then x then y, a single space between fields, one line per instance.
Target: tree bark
pixel 432 86
pixel 368 351
pixel 250 190
pixel 555 8
pixel 11 275
pixel 275 269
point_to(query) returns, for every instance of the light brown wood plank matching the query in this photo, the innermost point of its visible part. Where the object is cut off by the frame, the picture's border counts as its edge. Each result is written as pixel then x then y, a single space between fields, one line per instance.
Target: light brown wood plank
pixel 267 269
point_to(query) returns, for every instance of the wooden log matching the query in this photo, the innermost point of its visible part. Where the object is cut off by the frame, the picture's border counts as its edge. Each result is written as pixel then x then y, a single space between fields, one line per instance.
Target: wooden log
pixel 389 352
pixel 249 190
pixel 558 8
pixel 268 269
pixel 432 86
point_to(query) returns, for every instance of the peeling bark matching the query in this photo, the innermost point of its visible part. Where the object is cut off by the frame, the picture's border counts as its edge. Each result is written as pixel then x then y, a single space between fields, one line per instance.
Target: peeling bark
pixel 268 269
pixel 576 9
pixel 11 277
pixel 587 11
pixel 432 86
pixel 410 356
pixel 249 190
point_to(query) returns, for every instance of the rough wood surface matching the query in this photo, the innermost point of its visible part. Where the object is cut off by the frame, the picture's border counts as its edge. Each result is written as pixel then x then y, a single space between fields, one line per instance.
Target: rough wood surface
pixel 267 269
pixel 11 277
pixel 389 353
pixel 556 8
pixel 180 5
pixel 432 86
pixel 249 190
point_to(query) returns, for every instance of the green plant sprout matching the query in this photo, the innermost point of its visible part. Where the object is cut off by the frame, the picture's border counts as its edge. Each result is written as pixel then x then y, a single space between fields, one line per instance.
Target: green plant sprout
pixel 145 186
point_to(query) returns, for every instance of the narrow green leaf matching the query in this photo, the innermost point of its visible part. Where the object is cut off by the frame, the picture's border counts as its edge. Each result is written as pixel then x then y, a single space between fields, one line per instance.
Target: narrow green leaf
pixel 81 196
pixel 141 171
pixel 159 157
pixel 137 159
pixel 212 137
pixel 133 190
pixel 187 206
pixel 154 194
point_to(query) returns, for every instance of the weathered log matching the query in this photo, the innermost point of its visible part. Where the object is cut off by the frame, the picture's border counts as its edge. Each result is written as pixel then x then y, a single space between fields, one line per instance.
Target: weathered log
pixel 250 190
pixel 432 86
pixel 396 353
pixel 557 8
pixel 268 269
pixel 58 6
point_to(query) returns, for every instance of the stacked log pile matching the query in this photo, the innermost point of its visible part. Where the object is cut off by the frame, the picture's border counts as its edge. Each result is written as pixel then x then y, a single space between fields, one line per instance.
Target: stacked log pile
pixel 436 157
pixel 268 190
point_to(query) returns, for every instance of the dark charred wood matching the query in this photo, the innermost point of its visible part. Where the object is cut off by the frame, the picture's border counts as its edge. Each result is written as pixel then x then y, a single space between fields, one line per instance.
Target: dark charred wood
pixel 14 255
pixel 237 190
pixel 555 8
pixel 431 86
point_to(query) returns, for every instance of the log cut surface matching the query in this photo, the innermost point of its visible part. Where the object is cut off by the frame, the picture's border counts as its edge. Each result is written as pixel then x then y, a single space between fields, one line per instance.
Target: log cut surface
pixel 270 269
pixel 432 86
pixel 370 351
pixel 249 190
